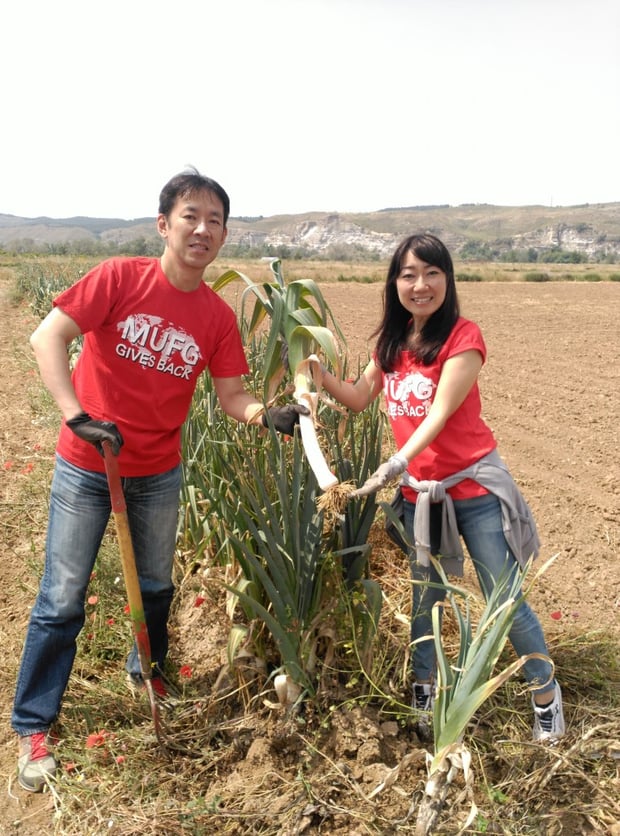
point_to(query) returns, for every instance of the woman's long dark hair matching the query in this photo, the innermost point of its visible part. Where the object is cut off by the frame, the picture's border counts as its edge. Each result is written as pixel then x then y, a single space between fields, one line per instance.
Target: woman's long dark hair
pixel 393 329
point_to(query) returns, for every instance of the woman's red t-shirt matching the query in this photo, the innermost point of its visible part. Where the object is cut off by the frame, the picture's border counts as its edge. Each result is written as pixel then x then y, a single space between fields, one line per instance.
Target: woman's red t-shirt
pixel 409 391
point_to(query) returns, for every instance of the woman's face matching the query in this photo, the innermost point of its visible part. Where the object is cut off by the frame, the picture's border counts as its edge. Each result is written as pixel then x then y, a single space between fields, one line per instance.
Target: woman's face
pixel 421 288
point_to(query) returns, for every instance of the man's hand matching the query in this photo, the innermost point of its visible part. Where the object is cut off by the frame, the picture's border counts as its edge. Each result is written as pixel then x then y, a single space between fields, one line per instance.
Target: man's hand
pixel 285 418
pixel 387 472
pixel 96 431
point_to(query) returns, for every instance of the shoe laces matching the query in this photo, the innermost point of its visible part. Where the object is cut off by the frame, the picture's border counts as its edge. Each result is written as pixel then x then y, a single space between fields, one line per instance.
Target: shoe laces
pixel 38 746
pixel 422 696
pixel 545 718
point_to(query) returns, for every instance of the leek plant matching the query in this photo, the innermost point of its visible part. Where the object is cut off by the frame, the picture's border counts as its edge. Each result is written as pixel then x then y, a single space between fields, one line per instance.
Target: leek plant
pixel 467 679
pixel 299 323
pixel 278 543
pixel 298 327
pixel 250 499
pixel 465 682
pixel 355 445
pixel 209 440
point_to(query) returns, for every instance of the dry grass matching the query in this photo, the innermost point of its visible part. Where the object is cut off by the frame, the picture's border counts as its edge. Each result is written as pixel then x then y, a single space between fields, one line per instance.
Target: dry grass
pixel 371 271
pixel 350 763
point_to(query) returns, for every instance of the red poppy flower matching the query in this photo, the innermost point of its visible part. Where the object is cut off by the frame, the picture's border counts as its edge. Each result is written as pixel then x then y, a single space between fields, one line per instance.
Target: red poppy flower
pixel 96 739
pixel 185 671
pixel 557 615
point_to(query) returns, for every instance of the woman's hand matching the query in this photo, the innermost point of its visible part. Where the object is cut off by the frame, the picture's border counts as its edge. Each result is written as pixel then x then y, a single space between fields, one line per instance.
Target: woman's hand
pixel 387 472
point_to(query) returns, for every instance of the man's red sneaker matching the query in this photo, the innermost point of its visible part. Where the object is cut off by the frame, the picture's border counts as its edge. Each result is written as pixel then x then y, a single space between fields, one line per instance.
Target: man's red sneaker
pixel 35 764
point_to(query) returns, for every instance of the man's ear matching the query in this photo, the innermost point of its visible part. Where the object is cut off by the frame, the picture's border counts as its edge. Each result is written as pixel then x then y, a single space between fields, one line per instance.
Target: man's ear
pixel 162 226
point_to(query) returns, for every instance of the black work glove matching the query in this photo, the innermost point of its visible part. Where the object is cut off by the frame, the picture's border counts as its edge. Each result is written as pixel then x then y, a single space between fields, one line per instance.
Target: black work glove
pixel 284 418
pixel 95 432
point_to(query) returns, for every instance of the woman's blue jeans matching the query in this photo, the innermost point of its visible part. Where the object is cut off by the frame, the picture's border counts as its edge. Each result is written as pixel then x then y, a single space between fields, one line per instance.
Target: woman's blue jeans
pixel 480 524
pixel 78 516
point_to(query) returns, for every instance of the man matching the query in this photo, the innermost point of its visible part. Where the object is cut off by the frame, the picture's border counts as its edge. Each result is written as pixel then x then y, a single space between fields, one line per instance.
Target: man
pixel 150 327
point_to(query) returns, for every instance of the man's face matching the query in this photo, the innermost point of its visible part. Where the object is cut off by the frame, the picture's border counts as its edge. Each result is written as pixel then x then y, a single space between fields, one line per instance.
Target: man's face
pixel 194 231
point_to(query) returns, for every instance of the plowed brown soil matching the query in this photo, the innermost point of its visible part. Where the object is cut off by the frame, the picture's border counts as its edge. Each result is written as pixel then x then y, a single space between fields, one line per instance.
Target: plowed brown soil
pixel 551 392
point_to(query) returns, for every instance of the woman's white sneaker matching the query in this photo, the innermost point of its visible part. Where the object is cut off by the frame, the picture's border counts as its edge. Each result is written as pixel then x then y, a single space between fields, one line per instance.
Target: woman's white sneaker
pixel 549 721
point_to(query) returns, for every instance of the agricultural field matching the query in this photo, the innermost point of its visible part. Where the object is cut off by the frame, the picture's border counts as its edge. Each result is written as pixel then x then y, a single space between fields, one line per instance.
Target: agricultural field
pixel 351 762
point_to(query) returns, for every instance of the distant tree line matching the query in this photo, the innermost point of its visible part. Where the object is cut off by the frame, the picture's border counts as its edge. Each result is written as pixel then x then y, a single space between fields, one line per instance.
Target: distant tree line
pixel 86 246
pixel 472 250
pixel 335 252
pixel 154 247
pixel 481 251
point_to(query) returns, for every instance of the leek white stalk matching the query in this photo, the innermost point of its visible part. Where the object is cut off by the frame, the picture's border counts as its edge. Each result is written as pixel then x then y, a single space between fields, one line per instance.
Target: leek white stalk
pixel 307 425
pixel 287 689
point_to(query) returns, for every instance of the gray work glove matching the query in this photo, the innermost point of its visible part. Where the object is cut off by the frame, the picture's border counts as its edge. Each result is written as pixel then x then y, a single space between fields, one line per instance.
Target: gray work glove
pixel 95 432
pixel 285 418
pixel 387 472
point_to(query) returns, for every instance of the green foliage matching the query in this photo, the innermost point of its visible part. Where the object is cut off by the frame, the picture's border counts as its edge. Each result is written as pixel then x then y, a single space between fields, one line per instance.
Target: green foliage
pixel 465 678
pixel 468 277
pixel 360 279
pixel 591 277
pixel 299 322
pixel 560 256
pixel 281 251
pixel 355 448
pixel 208 437
pixel 277 541
pixel 536 277
pixel 249 499
pixel 466 681
pixel 40 280
pixel 252 499
pixel 91 247
pixel 520 256
pixel 474 250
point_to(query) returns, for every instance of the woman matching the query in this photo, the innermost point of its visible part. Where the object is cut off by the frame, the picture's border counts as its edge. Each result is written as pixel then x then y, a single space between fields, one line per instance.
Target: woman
pixel 426 362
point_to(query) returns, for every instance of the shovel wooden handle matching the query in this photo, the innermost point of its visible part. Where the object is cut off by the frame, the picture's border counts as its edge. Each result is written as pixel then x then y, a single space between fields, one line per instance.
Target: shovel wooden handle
pixel 132 583
pixel 128 561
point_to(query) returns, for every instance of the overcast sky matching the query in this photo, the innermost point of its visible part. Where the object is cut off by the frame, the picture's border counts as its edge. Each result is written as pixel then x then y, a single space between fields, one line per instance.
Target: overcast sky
pixel 303 105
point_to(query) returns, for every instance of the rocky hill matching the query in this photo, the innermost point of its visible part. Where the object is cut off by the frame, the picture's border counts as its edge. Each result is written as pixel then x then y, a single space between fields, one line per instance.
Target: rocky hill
pixel 592 231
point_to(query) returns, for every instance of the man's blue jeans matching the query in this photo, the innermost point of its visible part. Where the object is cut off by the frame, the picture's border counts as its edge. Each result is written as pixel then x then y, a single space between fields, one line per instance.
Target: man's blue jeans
pixel 78 515
pixel 480 524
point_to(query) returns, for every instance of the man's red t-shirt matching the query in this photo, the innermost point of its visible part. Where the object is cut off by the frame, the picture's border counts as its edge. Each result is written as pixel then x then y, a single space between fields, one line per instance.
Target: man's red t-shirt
pixel 409 391
pixel 145 344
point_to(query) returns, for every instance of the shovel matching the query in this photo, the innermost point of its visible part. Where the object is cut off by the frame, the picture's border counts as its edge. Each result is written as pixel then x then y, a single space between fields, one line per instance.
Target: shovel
pixel 132 585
